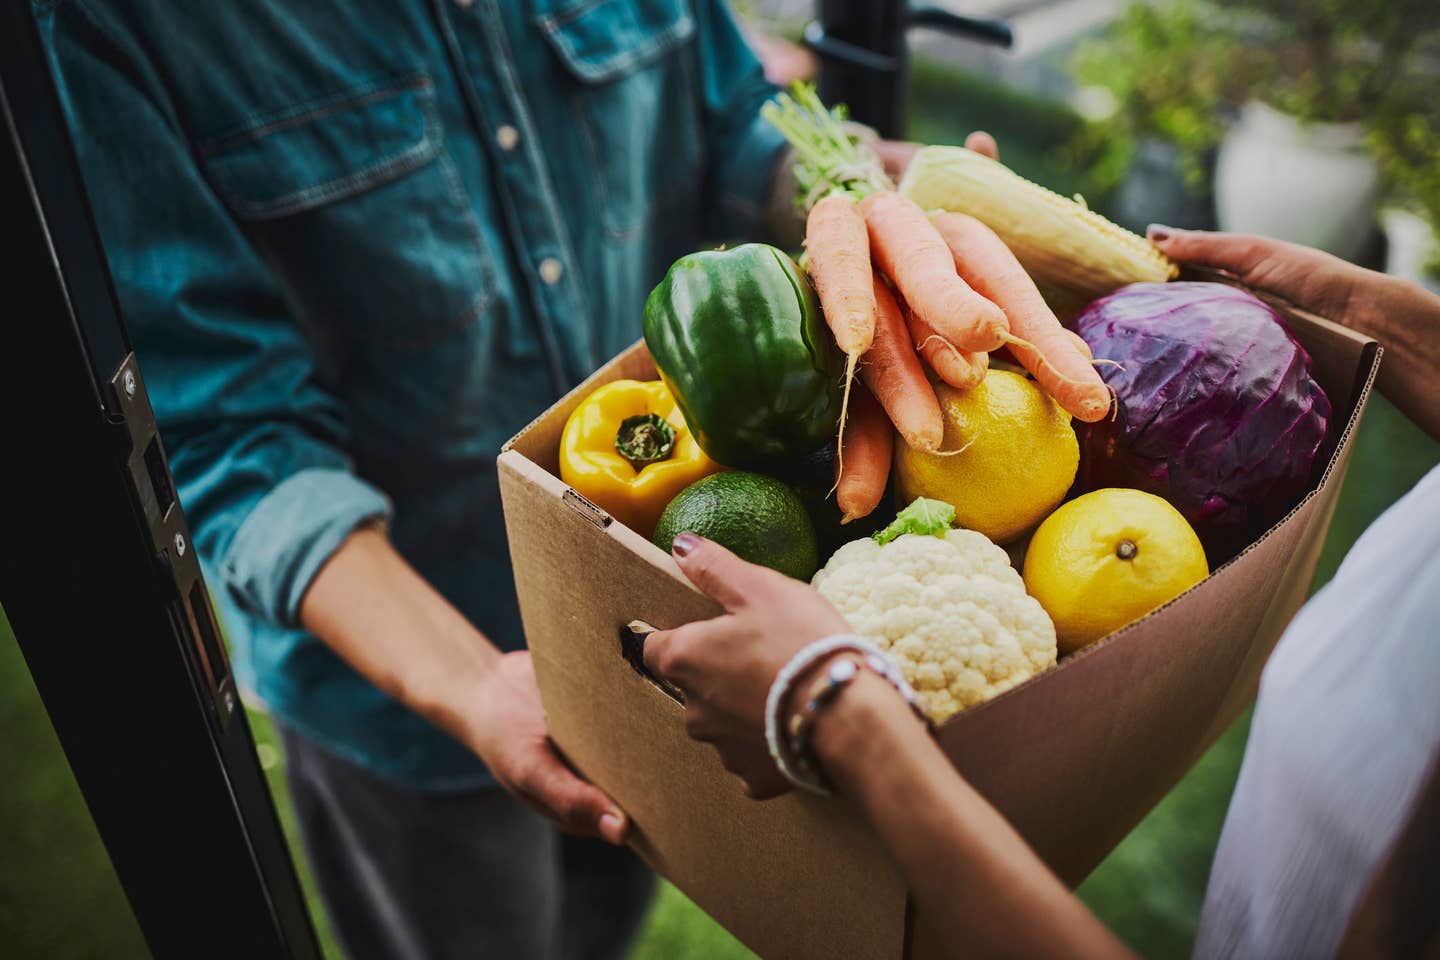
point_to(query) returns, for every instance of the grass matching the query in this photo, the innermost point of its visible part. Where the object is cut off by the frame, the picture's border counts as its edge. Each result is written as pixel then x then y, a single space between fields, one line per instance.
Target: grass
pixel 59 897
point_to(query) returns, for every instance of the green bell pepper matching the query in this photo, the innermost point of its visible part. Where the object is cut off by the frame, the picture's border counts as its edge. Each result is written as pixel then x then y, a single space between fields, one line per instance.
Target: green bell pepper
pixel 739 339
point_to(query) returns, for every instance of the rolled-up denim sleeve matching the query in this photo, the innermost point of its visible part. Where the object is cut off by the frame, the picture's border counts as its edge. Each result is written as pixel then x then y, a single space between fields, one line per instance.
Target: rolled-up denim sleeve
pixel 289 534
pixel 256 444
pixel 744 150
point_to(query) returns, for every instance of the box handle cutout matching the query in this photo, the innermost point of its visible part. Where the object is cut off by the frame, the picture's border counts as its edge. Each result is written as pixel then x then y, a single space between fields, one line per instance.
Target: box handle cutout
pixel 632 648
pixel 586 509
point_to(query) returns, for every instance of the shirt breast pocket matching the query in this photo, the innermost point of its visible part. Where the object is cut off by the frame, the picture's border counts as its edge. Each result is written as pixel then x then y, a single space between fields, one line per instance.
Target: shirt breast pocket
pixel 633 84
pixel 361 214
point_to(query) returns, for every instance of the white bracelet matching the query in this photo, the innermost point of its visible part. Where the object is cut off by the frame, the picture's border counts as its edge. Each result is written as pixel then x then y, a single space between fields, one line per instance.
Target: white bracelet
pixel 785 679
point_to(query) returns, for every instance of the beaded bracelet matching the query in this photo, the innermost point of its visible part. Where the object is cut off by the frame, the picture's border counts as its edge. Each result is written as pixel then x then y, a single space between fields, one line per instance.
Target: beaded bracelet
pixel 791 754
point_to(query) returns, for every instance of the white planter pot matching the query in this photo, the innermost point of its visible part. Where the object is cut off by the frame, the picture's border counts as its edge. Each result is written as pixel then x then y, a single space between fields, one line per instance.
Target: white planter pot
pixel 1310 184
pixel 1410 244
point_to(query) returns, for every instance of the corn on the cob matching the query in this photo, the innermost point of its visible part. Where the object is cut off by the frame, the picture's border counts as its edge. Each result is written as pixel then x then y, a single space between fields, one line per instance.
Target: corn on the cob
pixel 1073 254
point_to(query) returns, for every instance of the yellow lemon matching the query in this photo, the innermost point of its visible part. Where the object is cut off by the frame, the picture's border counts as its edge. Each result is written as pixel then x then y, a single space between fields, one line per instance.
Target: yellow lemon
pixel 1017 456
pixel 1108 558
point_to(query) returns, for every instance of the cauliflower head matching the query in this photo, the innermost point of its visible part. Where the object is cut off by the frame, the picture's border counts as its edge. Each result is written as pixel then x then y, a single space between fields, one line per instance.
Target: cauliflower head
pixel 949 609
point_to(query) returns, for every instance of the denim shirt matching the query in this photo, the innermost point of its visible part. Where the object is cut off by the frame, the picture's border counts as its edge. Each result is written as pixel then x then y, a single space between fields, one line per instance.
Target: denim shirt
pixel 359 245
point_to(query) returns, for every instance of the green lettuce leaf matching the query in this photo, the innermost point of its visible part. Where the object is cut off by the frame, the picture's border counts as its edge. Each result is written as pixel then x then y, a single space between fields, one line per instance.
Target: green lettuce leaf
pixel 923 517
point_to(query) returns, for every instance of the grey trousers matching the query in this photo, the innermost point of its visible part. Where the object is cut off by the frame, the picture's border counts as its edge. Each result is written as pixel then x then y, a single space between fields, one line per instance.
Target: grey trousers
pixel 411 875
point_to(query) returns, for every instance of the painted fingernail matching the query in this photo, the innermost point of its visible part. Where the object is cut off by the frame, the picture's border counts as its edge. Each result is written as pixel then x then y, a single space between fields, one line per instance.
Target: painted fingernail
pixel 612 827
pixel 1157 233
pixel 684 544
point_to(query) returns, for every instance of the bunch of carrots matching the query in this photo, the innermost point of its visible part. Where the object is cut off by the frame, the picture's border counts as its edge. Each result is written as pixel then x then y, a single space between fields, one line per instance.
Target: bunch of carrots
pixel 897 285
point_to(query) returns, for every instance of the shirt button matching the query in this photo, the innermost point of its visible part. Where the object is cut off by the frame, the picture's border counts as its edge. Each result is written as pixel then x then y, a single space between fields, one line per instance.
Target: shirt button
pixel 550 270
pixel 464 3
pixel 507 136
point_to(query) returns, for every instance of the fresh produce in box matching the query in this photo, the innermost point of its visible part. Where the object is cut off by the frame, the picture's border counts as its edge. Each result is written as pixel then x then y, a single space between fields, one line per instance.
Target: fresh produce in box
pixel 1106 559
pixel 863 464
pixel 896 377
pixel 1217 410
pixel 959 288
pixel 962 369
pixel 1073 253
pixel 853 219
pixel 1059 362
pixel 1009 456
pixel 627 450
pixel 909 250
pixel 814 482
pixel 945 604
pixel 1203 399
pixel 759 518
pixel 738 337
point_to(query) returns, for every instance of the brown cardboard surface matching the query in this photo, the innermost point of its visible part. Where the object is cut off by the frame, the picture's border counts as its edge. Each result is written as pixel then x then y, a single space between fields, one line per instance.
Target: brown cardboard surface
pixel 767 871
pixel 1074 758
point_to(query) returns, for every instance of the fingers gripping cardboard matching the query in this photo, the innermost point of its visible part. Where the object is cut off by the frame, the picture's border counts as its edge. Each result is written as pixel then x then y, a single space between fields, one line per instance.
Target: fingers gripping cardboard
pixel 632 649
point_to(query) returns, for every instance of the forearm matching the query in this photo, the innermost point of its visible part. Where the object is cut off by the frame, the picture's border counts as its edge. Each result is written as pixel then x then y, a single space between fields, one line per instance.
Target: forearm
pixel 371 607
pixel 1405 318
pixel 975 880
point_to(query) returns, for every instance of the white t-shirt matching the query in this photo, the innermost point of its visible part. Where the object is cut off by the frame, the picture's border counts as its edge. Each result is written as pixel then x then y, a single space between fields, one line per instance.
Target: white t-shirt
pixel 1346 728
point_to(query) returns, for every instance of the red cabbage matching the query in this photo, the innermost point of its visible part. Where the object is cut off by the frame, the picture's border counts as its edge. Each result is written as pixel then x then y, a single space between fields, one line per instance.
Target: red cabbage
pixel 1217 410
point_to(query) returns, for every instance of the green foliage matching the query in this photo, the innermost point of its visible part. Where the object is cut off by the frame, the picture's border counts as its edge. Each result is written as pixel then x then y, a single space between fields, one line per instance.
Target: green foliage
pixel 1409 154
pixel 1171 71
pixel 1176 70
pixel 829 159
pixel 1338 61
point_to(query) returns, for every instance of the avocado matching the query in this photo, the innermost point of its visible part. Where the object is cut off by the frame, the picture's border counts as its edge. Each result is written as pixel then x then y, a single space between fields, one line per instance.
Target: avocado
pixel 759 518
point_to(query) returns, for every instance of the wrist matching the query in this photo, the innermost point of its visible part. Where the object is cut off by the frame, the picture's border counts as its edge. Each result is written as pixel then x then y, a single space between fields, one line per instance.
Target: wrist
pixel 864 730
pixel 806 680
pixel 805 688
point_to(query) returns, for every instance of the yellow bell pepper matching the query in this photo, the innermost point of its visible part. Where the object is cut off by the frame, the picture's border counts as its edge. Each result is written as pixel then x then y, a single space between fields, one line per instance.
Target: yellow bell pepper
pixel 627 450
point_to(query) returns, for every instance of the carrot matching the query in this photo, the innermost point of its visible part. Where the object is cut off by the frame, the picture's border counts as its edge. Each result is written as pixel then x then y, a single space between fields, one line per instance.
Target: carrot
pixel 1036 338
pixel 1080 344
pixel 867 444
pixel 962 369
pixel 838 258
pixel 908 248
pixel 837 249
pixel 895 376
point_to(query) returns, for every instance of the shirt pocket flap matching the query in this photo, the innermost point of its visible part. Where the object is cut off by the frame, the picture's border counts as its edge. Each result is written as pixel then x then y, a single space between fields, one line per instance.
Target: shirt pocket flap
pixel 322 151
pixel 600 40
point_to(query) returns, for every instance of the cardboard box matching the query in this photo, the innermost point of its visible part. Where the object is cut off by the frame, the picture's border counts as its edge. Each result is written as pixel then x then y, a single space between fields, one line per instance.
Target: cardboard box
pixel 1074 758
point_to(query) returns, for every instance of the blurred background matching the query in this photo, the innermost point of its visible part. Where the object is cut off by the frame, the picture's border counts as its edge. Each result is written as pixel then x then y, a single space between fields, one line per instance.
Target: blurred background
pixel 1311 120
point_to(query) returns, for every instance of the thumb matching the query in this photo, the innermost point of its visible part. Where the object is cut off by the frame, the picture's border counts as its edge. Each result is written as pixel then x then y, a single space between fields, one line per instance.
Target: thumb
pixel 718 573
pixel 982 143
pixel 576 806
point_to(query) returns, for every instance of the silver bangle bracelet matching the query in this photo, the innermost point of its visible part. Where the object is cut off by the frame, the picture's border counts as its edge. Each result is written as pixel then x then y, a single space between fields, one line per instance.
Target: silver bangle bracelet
pixel 780 688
